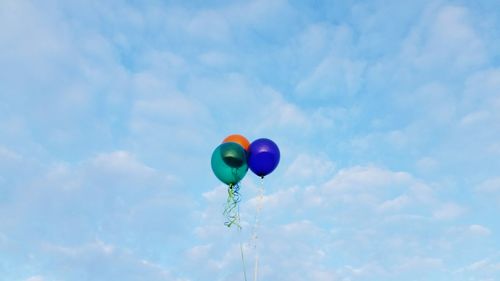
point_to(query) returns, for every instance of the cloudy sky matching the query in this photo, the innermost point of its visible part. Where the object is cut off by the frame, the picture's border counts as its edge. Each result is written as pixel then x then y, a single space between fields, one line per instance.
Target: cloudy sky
pixel 387 114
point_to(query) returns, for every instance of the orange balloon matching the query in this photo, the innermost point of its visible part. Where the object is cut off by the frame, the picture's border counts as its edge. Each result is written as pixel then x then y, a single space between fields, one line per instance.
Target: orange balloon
pixel 239 139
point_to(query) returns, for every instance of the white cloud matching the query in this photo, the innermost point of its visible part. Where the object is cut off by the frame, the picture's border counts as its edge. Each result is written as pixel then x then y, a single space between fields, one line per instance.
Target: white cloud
pixel 327 67
pixel 490 189
pixel 448 211
pixel 489 186
pixel 257 14
pixel 474 118
pixel 365 177
pixel 159 62
pixel 222 24
pixel 479 230
pixel 305 228
pixel 199 253
pixel 486 268
pixel 311 168
pixel 421 263
pixel 174 109
pixel 481 90
pixel 121 162
pixel 102 261
pixel 209 25
pixel 445 36
pixel 216 59
pixel 35 278
pixel 8 155
pixel 112 197
pixel 247 105
pixel 427 164
pixel 277 199
pixel 395 204
pixel 333 77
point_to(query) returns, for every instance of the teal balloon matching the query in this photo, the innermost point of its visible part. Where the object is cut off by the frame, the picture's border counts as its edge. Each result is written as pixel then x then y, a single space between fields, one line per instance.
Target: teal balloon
pixel 229 162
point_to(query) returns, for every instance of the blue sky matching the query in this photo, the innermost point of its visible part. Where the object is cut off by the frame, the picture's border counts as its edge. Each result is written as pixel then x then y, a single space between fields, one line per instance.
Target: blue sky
pixel 386 113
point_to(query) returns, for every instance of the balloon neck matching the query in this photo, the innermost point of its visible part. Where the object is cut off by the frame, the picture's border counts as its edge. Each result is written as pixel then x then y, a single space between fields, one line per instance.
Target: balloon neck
pixel 262 177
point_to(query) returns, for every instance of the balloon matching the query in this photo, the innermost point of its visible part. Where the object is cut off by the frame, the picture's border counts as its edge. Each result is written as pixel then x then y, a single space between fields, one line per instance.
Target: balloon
pixel 239 139
pixel 263 157
pixel 229 163
pixel 233 154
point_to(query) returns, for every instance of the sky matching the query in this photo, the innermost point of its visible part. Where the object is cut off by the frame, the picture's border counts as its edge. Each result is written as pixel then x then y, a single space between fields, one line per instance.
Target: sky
pixel 387 115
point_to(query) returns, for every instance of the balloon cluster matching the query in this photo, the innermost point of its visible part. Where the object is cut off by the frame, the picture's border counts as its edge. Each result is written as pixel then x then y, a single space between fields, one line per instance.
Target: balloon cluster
pixel 230 163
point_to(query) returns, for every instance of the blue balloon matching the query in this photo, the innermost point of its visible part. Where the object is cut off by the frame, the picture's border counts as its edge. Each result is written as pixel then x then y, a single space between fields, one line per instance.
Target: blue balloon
pixel 263 157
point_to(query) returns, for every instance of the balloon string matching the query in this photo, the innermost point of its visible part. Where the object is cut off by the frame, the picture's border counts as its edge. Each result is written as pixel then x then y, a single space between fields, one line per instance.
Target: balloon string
pixel 256 226
pixel 232 214
pixel 231 211
pixel 241 249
